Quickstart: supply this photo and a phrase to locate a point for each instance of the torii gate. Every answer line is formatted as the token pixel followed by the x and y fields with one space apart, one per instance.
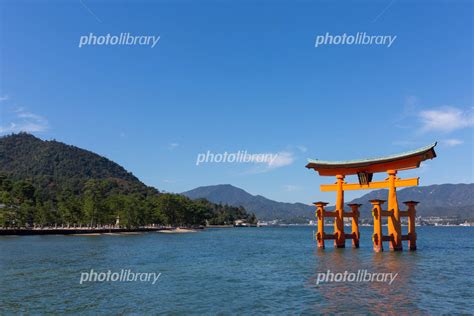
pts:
pixel 365 169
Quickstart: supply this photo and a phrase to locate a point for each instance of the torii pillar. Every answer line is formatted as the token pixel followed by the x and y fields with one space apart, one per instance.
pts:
pixel 394 224
pixel 377 237
pixel 411 224
pixel 340 238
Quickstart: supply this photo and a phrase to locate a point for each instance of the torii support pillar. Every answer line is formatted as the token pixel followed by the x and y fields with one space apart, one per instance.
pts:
pixel 320 216
pixel 355 224
pixel 377 237
pixel 411 224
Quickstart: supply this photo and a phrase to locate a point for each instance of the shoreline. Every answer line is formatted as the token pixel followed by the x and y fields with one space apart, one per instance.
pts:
pixel 178 231
pixel 138 231
pixel 81 231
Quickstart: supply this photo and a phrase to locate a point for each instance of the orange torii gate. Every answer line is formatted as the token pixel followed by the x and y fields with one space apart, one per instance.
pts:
pixel 365 169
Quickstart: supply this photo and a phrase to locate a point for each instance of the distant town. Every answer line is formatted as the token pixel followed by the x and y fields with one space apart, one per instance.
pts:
pixel 420 221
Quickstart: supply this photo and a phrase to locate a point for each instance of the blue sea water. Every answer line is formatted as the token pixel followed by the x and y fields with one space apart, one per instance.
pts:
pixel 235 271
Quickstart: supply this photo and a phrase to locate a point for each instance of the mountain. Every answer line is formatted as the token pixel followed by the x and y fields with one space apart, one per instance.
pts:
pixel 24 156
pixel 262 207
pixel 435 200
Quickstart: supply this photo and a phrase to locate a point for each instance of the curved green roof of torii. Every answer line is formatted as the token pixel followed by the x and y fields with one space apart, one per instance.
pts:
pixel 426 152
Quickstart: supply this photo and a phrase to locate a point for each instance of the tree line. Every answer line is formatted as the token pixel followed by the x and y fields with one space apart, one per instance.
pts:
pixel 100 202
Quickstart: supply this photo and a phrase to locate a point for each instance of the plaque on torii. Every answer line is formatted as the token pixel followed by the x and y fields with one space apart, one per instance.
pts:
pixel 364 169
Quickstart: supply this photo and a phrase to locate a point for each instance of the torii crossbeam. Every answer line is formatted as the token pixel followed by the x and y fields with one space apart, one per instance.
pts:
pixel 365 169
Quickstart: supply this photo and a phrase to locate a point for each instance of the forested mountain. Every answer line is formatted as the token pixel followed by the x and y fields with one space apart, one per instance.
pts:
pixel 49 182
pixel 25 156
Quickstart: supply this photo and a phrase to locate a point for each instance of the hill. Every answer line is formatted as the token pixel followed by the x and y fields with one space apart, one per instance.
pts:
pixel 54 165
pixel 262 207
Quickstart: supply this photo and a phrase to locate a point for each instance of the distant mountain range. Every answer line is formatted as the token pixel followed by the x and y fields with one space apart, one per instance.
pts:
pixel 264 208
pixel 435 200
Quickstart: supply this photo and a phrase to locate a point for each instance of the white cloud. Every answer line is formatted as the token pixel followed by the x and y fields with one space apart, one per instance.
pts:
pixel 425 167
pixel 291 187
pixel 283 158
pixel 446 119
pixel 8 129
pixel 408 109
pixel 173 146
pixel 452 142
pixel 24 121
pixel 303 149
pixel 271 162
pixel 4 98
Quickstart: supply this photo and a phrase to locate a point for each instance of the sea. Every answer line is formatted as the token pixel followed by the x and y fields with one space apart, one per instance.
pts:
pixel 243 271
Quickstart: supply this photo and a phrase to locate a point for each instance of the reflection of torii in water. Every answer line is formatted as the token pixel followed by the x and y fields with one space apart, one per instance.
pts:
pixel 365 169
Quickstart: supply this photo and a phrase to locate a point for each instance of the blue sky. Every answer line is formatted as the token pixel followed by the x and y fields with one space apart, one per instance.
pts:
pixel 243 75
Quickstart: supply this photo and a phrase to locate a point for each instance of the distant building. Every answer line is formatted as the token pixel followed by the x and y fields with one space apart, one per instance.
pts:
pixel 240 223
